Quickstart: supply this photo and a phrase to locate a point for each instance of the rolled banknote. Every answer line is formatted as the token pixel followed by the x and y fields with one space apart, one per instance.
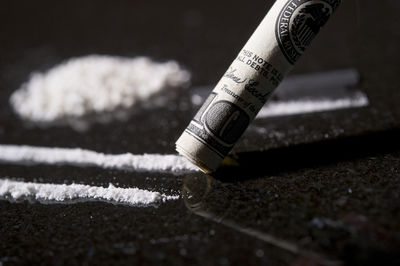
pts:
pixel 270 53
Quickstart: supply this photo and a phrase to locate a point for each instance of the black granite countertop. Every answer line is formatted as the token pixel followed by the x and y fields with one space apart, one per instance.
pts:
pixel 312 189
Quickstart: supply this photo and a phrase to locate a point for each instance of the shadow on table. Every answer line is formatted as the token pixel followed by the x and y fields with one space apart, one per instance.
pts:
pixel 257 164
pixel 336 237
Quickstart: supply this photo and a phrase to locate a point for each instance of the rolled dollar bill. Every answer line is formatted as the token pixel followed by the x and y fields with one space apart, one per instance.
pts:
pixel 270 53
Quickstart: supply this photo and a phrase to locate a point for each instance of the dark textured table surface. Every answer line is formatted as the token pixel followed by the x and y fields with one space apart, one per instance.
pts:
pixel 318 188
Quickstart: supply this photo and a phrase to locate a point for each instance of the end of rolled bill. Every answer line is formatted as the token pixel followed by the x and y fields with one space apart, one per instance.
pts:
pixel 197 153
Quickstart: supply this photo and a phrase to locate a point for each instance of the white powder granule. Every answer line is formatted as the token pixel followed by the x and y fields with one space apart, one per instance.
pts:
pixel 61 192
pixel 94 84
pixel 80 157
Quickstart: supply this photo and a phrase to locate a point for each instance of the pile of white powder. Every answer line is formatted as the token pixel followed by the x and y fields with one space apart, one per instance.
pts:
pixel 94 84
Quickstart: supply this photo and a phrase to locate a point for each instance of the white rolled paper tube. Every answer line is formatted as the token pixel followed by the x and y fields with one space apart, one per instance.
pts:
pixel 270 53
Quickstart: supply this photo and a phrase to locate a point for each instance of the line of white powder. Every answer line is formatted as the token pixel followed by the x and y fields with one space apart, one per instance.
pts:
pixel 310 106
pixel 61 192
pixel 80 157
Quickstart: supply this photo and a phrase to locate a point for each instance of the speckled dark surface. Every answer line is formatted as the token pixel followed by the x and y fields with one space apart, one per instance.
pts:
pixel 327 183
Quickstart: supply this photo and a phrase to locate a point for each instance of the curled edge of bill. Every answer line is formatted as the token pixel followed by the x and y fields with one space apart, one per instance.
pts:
pixel 227 161
pixel 198 153
pixel 194 160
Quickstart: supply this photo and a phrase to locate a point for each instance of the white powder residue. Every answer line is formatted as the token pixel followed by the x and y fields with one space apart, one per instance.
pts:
pixel 321 222
pixel 196 99
pixel 81 157
pixel 62 192
pixel 310 106
pixel 94 84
